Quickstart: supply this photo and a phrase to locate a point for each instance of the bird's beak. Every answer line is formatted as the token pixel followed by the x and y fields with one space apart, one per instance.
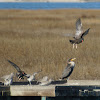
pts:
pixel 73 59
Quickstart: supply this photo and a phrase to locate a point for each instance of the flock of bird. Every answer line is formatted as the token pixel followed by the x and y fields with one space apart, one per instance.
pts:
pixel 78 38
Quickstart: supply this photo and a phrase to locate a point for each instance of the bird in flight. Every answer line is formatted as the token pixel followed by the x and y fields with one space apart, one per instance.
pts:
pixel 69 68
pixel 78 38
pixel 20 73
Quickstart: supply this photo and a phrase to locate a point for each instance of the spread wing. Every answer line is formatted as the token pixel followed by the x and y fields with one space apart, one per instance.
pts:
pixel 15 66
pixel 78 28
pixel 86 32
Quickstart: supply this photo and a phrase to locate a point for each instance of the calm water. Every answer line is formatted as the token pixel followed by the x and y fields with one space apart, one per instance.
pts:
pixel 49 5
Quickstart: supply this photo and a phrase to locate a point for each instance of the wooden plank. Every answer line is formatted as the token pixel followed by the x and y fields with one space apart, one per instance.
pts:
pixel 37 90
pixel 82 82
pixel 34 90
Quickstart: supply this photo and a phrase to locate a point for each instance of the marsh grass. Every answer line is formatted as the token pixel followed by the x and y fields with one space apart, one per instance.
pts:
pixel 36 39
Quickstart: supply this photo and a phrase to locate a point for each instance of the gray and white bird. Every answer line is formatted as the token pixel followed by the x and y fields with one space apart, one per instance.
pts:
pixel 8 79
pixel 78 38
pixel 31 78
pixel 69 69
pixel 45 78
pixel 45 81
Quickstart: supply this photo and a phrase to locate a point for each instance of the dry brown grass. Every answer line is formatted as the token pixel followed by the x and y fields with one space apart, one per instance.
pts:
pixel 35 39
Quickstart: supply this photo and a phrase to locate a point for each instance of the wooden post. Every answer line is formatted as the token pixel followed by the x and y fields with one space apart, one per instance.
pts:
pixel 4 90
pixel 43 98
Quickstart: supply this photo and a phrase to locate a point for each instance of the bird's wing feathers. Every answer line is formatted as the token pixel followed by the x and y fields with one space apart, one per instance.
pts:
pixel 16 67
pixel 7 77
pixel 86 32
pixel 66 71
pixel 27 75
pixel 78 28
pixel 45 78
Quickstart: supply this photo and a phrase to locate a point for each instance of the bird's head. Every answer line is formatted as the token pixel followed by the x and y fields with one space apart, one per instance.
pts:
pixel 23 73
pixel 71 59
pixel 34 73
pixel 12 74
pixel 82 39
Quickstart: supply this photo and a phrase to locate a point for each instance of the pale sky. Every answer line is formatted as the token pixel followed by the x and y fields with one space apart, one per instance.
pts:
pixel 6 0
pixel 1 0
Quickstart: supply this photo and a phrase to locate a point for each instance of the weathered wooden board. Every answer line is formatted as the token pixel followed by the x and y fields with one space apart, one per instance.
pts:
pixel 19 90
pixel 51 90
pixel 82 82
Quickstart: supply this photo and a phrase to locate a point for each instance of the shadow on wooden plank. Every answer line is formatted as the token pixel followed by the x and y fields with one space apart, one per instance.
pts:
pixel 20 98
pixel 73 98
pixel 37 83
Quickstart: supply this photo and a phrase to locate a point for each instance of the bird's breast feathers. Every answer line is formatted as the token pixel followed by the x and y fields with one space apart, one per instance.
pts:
pixel 72 63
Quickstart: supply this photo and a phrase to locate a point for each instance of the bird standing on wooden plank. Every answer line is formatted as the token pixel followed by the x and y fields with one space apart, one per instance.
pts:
pixel 30 78
pixel 78 38
pixel 20 73
pixel 8 79
pixel 45 81
pixel 69 69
